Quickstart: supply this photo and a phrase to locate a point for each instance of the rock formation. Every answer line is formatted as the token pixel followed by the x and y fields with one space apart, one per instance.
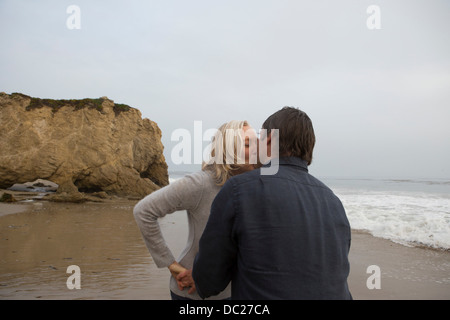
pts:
pixel 88 145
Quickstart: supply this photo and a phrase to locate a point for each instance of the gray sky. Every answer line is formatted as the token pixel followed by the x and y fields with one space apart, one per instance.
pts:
pixel 379 99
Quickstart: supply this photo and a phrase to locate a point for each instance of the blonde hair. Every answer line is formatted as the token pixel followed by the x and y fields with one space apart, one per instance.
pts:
pixel 227 144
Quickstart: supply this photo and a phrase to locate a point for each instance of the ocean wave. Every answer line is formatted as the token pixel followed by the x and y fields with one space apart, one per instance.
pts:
pixel 413 219
pixel 426 181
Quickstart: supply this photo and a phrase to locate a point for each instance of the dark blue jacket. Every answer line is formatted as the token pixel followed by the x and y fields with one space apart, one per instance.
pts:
pixel 281 236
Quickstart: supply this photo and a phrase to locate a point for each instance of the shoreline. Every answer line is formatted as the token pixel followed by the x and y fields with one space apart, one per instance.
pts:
pixel 406 273
pixel 9 208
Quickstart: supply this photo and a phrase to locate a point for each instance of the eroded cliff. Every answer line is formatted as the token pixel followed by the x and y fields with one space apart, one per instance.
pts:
pixel 88 145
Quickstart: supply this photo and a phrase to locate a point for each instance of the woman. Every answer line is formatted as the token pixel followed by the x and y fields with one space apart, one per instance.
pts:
pixel 232 153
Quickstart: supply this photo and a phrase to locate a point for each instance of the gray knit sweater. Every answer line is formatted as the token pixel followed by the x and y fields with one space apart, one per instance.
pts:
pixel 193 193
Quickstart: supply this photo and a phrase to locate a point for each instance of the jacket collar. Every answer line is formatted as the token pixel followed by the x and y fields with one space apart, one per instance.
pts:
pixel 291 161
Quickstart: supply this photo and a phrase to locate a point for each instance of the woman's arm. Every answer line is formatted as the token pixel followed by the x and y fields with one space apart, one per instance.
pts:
pixel 183 194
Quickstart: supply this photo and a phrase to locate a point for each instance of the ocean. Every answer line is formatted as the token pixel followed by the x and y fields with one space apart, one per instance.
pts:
pixel 411 212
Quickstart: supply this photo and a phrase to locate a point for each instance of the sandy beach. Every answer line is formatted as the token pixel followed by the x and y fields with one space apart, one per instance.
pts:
pixel 40 239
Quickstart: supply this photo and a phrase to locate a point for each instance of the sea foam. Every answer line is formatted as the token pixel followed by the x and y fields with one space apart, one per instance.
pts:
pixel 403 216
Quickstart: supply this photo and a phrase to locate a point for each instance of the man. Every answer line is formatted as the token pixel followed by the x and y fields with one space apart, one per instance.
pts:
pixel 280 236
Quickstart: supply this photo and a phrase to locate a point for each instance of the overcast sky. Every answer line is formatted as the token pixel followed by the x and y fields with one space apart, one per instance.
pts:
pixel 379 99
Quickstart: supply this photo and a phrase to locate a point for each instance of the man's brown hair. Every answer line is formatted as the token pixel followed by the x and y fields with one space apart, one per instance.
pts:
pixel 296 133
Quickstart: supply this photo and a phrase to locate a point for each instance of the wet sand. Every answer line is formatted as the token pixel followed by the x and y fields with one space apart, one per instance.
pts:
pixel 40 239
pixel 6 209
pixel 407 273
pixel 38 245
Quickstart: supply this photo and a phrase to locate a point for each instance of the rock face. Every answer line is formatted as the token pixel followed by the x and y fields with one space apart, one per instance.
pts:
pixel 89 145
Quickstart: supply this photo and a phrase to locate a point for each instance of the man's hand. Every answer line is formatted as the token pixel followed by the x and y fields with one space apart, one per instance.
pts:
pixel 185 278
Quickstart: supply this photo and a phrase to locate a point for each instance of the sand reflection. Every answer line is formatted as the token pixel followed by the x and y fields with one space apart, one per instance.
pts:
pixel 101 238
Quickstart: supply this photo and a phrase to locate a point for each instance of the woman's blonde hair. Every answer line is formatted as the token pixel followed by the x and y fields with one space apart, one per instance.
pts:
pixel 226 154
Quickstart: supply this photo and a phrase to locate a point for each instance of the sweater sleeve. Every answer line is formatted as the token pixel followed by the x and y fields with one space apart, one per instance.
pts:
pixel 183 194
